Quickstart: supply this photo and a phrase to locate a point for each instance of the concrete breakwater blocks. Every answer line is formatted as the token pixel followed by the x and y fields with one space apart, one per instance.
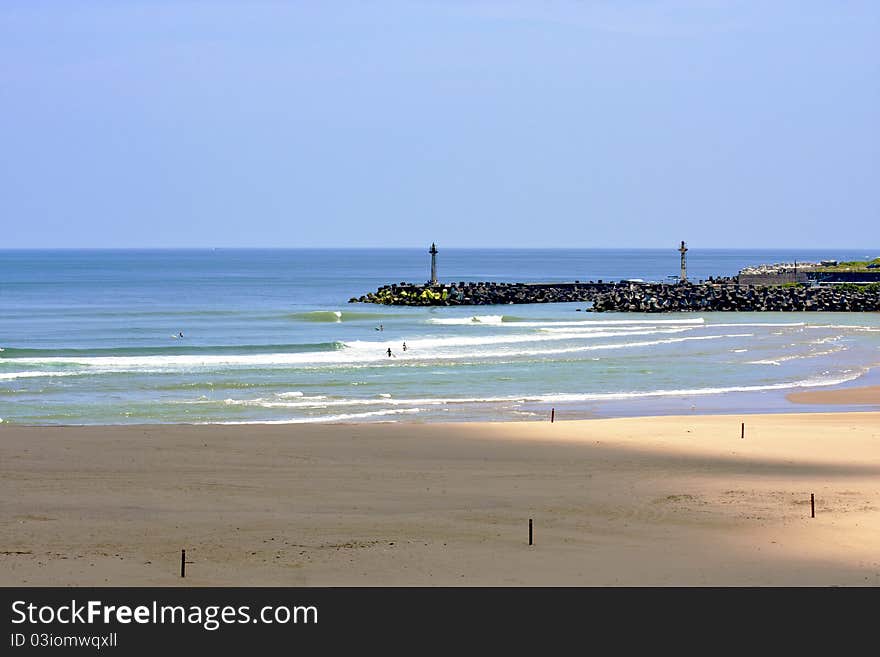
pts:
pixel 636 297
pixel 744 298
pixel 484 293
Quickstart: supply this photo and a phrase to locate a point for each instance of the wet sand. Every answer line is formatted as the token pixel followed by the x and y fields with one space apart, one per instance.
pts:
pixel 632 501
pixel 845 396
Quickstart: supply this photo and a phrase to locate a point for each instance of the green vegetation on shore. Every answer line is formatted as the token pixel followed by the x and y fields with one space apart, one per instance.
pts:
pixel 852 265
pixel 840 287
pixel 855 287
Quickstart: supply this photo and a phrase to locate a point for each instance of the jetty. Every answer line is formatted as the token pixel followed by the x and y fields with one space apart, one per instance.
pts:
pixel 484 293
pixel 828 286
pixel 707 297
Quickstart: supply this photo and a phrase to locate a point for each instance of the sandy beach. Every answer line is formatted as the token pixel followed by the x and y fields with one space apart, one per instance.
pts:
pixel 638 501
pixel 855 395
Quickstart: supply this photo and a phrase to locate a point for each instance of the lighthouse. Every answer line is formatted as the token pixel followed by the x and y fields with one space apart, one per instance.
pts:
pixel 433 253
pixel 683 251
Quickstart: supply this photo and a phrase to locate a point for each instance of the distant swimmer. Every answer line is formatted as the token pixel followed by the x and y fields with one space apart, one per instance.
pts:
pixel 180 335
pixel 404 346
pixel 389 352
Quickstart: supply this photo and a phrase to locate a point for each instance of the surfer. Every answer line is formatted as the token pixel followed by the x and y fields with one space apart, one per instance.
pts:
pixel 180 335
pixel 404 346
pixel 389 352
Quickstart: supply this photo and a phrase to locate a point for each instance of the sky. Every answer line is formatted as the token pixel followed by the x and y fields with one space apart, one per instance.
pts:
pixel 633 123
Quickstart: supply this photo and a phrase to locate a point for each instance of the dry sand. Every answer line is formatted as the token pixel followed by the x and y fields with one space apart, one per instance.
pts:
pixel 641 501
pixel 860 395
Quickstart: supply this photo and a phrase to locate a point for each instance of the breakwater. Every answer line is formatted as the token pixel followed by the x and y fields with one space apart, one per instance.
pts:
pixel 484 293
pixel 660 297
pixel 622 296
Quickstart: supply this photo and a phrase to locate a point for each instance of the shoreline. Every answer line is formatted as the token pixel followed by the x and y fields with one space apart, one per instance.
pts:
pixel 850 396
pixel 838 396
pixel 672 500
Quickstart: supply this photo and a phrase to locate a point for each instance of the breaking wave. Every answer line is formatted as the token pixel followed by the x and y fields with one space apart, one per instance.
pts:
pixel 521 399
pixel 360 352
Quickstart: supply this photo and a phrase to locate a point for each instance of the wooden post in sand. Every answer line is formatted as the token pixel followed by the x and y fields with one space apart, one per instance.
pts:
pixel 742 433
pixel 183 563
pixel 552 415
pixel 530 531
pixel 812 505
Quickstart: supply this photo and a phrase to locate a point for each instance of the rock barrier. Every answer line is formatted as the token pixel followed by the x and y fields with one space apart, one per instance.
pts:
pixel 716 295
pixel 465 293
pixel 652 298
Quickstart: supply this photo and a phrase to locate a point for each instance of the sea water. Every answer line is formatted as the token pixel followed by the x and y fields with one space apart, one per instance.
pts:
pixel 93 337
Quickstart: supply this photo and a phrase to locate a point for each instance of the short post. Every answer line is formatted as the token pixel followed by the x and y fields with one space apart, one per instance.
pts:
pixel 812 505
pixel 742 433
pixel 530 531
pixel 552 414
pixel 183 563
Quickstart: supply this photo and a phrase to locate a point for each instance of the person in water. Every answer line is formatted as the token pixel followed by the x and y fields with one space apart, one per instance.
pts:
pixel 404 346
pixel 180 335
pixel 389 352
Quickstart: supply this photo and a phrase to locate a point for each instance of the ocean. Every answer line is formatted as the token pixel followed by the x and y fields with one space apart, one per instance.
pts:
pixel 93 337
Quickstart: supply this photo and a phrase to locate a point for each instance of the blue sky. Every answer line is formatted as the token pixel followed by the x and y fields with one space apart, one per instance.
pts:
pixel 309 124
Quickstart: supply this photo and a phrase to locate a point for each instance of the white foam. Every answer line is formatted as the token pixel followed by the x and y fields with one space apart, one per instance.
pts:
pixel 634 329
pixel 464 321
pixel 806 383
pixel 415 346
pixel 496 320
pixel 856 327
pixel 544 398
pixel 8 376
pixel 358 351
pixel 345 417
pixel 620 345
pixel 809 354
pixel 613 322
pixel 262 402
pixel 360 354
pixel 519 352
pixel 757 324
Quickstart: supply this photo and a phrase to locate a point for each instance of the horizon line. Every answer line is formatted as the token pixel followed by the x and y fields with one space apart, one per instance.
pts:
pixel 449 248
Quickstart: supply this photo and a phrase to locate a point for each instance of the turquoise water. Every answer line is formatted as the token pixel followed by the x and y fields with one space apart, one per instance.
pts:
pixel 268 336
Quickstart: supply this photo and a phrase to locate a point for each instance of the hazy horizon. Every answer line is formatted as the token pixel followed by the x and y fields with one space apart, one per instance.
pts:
pixel 673 248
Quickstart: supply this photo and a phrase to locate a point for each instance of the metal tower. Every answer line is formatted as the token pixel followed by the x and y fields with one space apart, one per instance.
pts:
pixel 683 251
pixel 433 253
